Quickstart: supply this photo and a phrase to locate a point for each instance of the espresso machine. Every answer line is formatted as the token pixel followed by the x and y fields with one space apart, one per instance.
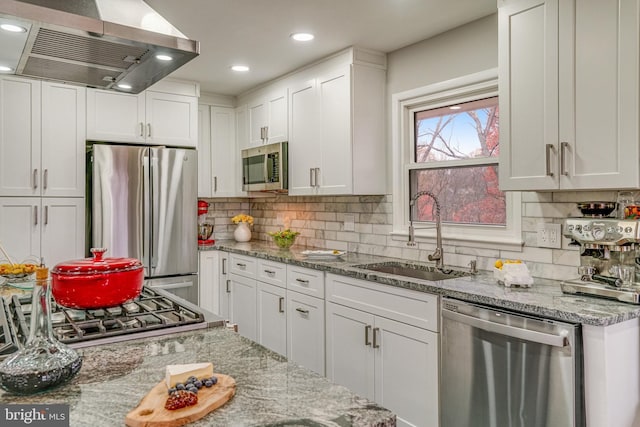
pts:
pixel 608 257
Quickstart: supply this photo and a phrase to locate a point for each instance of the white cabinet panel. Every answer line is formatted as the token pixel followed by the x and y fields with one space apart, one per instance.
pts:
pixel 171 119
pixel 242 305
pixel 304 150
pixel 20 227
pixel 267 117
pixel 205 182
pixel 272 318
pixel 209 281
pixel 114 116
pixel 305 331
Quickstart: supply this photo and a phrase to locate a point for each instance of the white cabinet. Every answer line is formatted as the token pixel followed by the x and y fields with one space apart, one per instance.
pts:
pixel 218 157
pixel 242 305
pixel 209 281
pixel 267 116
pixel 151 117
pixel 569 94
pixel 52 228
pixel 42 138
pixel 305 331
pixel 336 126
pixel 272 317
pixel 382 343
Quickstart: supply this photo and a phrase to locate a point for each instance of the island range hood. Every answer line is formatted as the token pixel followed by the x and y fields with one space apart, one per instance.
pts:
pixel 109 44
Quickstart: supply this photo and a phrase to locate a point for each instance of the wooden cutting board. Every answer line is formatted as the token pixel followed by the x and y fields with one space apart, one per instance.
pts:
pixel 150 412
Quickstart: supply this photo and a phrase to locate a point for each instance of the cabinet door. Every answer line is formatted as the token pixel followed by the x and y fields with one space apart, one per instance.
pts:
pixel 225 286
pixel 257 118
pixel 209 281
pixel 350 356
pixel 277 129
pixel 528 94
pixel 63 140
pixel 62 229
pixel 305 331
pixel 205 183
pixel 334 93
pixel 272 318
pixel 225 157
pixel 171 119
pixel 599 93
pixel 304 152
pixel 406 372
pixel 242 305
pixel 19 137
pixel 20 227
pixel 115 116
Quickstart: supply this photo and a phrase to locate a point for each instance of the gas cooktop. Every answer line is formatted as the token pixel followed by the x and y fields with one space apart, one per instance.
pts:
pixel 152 313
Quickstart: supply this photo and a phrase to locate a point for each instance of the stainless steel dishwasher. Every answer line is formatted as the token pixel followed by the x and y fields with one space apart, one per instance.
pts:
pixel 505 369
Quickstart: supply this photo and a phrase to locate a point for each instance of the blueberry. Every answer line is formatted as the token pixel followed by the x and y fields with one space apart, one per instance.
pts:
pixel 172 390
pixel 214 380
pixel 191 379
pixel 198 383
pixel 208 383
pixel 180 386
pixel 193 390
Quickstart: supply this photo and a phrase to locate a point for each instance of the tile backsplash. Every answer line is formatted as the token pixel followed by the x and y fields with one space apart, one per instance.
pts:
pixel 320 221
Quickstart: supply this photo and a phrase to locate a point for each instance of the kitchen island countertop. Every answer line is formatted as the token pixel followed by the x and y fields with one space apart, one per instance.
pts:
pixel 544 298
pixel 269 390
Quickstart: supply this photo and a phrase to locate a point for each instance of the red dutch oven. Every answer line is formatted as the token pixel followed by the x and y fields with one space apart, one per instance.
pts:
pixel 96 282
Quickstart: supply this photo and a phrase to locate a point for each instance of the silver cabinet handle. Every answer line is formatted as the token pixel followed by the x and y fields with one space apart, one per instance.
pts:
pixel 302 281
pixel 46 215
pixel 240 265
pixel 45 179
pixel 141 129
pixel 215 183
pixel 548 150
pixel 35 179
pixel 149 130
pixel 302 311
pixel 35 215
pixel 367 329
pixel 224 266
pixel 317 174
pixel 281 305
pixel 266 133
pixel 375 339
pixel 228 286
pixel 311 183
pixel 270 272
pixel 563 158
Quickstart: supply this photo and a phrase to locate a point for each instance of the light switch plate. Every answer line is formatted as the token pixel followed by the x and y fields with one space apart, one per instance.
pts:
pixel 549 235
pixel 349 222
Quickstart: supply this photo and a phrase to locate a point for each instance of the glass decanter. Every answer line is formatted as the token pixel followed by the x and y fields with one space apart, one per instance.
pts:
pixel 43 362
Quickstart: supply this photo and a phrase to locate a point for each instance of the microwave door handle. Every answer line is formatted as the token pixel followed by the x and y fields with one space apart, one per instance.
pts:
pixel 266 169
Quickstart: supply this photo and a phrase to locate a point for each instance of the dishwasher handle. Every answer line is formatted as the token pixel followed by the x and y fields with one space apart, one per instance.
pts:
pixel 510 331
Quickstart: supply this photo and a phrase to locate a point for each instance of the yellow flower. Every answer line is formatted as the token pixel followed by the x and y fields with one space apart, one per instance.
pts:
pixel 242 218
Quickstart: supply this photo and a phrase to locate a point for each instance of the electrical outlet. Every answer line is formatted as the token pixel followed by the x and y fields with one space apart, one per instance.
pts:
pixel 280 218
pixel 349 222
pixel 549 235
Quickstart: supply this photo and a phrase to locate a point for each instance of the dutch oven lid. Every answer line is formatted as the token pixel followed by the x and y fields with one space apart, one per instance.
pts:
pixel 97 264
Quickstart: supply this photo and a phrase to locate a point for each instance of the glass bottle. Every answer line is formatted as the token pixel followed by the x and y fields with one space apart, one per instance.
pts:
pixel 43 362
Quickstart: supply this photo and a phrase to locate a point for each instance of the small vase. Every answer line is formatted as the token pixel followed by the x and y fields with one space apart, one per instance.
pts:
pixel 242 233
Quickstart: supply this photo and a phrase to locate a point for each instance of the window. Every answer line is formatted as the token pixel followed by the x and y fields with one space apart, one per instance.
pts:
pixel 446 142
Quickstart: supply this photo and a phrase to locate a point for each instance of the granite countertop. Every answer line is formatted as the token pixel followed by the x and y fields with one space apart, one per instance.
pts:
pixel 269 390
pixel 544 298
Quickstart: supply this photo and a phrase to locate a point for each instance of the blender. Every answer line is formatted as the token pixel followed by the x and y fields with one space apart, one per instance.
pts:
pixel 205 228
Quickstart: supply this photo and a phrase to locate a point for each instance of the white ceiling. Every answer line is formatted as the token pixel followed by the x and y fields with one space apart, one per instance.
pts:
pixel 256 32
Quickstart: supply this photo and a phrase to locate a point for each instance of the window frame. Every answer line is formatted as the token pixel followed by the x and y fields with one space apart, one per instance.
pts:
pixel 403 106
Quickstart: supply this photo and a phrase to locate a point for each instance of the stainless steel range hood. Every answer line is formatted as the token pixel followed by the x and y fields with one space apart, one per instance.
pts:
pixel 97 43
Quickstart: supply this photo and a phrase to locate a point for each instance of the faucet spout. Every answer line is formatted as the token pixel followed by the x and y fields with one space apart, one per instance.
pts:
pixel 438 255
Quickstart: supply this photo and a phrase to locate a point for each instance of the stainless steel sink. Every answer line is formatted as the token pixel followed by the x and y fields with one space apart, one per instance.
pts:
pixel 413 270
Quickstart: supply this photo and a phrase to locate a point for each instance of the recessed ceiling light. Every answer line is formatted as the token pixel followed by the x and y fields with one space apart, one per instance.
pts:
pixel 455 107
pixel 5 68
pixel 302 37
pixel 124 86
pixel 164 57
pixel 240 68
pixel 13 28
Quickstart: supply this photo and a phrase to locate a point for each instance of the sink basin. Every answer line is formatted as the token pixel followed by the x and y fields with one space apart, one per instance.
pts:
pixel 415 271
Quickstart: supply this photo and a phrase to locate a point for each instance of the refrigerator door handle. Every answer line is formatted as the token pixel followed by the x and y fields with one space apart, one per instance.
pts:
pixel 146 211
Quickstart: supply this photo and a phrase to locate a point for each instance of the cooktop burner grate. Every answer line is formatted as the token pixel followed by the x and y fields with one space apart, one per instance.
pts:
pixel 149 312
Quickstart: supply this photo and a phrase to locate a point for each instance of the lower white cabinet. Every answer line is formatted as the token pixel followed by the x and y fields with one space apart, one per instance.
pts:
pixel 272 317
pixel 391 362
pixel 34 227
pixel 209 281
pixel 242 305
pixel 305 331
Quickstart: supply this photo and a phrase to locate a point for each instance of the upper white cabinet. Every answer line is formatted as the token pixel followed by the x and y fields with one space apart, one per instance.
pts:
pixel 42 138
pixel 155 117
pixel 337 126
pixel 569 94
pixel 267 116
pixel 218 156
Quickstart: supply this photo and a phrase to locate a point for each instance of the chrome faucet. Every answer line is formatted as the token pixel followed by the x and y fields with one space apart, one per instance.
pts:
pixel 437 256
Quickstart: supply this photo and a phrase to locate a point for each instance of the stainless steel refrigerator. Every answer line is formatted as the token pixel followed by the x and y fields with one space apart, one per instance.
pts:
pixel 143 204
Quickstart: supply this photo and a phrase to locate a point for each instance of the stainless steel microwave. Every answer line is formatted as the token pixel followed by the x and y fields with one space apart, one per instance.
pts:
pixel 265 168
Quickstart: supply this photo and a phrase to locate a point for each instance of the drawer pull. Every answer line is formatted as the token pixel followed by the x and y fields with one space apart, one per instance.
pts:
pixel 375 340
pixel 270 272
pixel 224 266
pixel 228 289
pixel 303 311
pixel 302 281
pixel 240 265
pixel 281 305
pixel 367 329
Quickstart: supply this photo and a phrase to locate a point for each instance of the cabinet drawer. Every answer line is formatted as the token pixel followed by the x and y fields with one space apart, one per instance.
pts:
pixel 243 265
pixel 403 305
pixel 274 273
pixel 305 280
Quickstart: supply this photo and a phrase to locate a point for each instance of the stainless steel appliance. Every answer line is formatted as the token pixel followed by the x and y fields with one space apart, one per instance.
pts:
pixel 608 255
pixel 265 168
pixel 95 43
pixel 142 202
pixel 499 368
